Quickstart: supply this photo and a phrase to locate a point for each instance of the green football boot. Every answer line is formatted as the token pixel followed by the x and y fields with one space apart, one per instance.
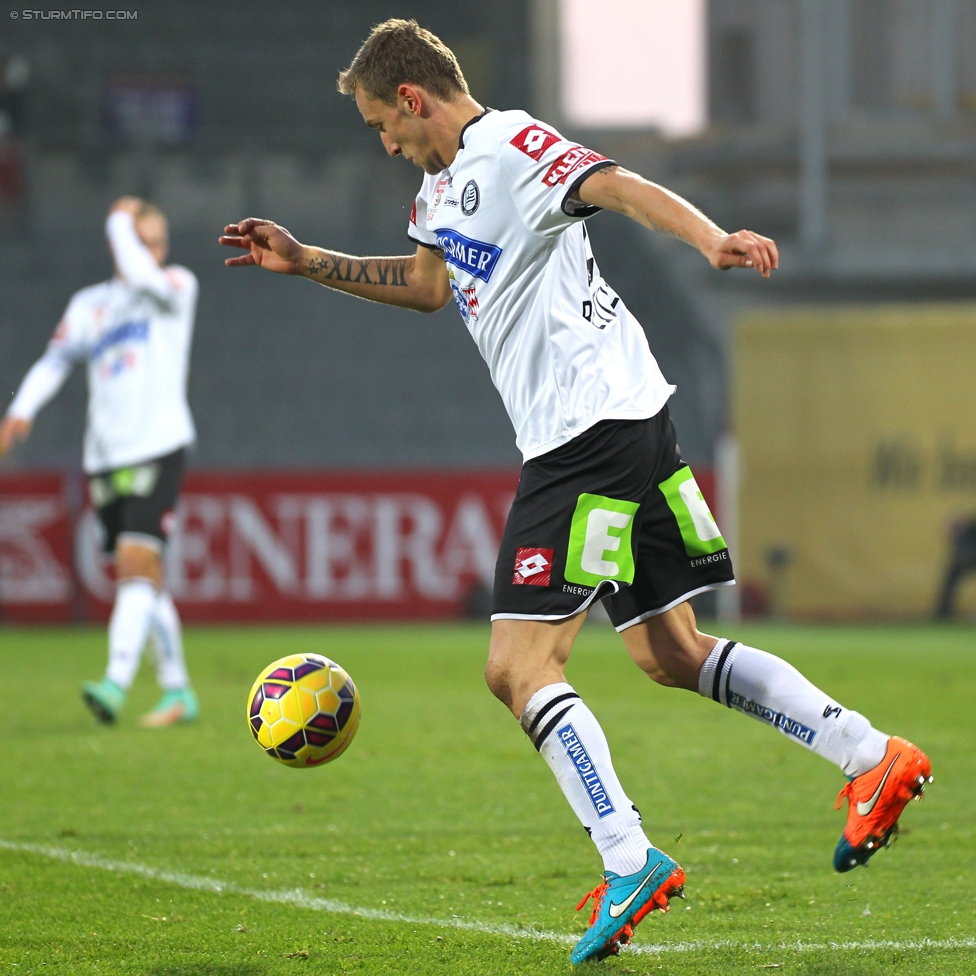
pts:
pixel 104 698
pixel 177 705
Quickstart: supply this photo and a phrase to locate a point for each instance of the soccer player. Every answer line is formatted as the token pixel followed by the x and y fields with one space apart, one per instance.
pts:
pixel 605 506
pixel 134 333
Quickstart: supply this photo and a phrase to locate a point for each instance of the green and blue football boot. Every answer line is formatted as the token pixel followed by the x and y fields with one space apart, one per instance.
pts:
pixel 104 699
pixel 177 705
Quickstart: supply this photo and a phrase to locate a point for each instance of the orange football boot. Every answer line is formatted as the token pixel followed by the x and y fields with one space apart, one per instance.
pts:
pixel 875 800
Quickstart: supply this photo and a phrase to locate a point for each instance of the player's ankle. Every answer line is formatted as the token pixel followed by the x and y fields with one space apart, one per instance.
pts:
pixel 623 848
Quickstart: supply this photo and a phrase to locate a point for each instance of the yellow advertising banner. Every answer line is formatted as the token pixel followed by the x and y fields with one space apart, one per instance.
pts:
pixel 857 442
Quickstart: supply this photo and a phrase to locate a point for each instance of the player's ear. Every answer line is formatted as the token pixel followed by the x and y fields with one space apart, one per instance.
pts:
pixel 411 99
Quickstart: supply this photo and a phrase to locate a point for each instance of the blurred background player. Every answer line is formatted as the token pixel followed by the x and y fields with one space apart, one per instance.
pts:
pixel 134 331
pixel 605 508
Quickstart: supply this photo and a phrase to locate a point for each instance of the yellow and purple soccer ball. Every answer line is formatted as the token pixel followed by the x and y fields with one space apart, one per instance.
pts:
pixel 303 710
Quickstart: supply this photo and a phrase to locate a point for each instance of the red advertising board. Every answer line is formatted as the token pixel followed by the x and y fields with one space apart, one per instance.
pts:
pixel 36 578
pixel 271 546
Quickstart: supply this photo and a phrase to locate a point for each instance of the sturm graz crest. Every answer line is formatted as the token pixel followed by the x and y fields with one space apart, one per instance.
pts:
pixel 470 198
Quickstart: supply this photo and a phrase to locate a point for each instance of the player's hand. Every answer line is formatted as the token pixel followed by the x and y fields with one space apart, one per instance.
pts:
pixel 268 245
pixel 744 249
pixel 131 205
pixel 12 430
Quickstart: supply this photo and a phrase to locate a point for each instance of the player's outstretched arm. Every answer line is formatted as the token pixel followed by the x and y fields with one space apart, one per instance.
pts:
pixel 419 281
pixel 657 208
pixel 42 382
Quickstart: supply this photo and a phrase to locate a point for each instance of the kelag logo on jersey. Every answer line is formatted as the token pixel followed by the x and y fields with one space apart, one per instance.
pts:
pixel 569 162
pixel 475 257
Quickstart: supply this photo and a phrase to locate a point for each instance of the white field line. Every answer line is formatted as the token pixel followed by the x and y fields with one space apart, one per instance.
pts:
pixel 298 898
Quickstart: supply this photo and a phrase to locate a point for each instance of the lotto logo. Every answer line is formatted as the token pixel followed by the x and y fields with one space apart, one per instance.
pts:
pixel 413 214
pixel 570 161
pixel 534 141
pixel 533 567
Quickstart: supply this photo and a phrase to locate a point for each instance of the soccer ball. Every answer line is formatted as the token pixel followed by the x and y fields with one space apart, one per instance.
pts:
pixel 303 710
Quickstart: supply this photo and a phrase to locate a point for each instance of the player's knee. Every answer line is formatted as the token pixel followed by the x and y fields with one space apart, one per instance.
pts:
pixel 658 673
pixel 137 561
pixel 506 658
pixel 498 677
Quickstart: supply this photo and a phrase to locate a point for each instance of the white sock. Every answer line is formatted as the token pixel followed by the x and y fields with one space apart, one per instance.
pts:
pixel 769 689
pixel 128 628
pixel 167 641
pixel 571 741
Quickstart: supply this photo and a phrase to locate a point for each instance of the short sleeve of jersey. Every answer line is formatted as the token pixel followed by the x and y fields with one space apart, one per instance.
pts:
pixel 543 170
pixel 417 227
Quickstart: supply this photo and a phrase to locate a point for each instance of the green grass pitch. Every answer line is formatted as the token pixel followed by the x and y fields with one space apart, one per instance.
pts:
pixel 439 842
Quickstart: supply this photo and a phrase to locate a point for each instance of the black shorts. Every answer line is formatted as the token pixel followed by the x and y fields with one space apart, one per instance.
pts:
pixel 138 500
pixel 614 514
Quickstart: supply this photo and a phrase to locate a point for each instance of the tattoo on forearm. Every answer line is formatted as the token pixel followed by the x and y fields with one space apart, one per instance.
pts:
pixel 368 271
pixel 391 271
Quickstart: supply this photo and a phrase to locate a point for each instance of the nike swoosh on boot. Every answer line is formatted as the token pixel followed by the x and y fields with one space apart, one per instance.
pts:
pixel 615 910
pixel 865 808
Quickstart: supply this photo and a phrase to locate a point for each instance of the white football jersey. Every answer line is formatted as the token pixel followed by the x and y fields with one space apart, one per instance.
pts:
pixel 134 332
pixel 137 345
pixel 563 350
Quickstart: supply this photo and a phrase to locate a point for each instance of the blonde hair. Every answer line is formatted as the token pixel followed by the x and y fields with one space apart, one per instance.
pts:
pixel 401 51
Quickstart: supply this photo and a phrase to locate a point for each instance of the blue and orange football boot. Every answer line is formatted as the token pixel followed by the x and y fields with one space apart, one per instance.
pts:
pixel 621 901
pixel 875 800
